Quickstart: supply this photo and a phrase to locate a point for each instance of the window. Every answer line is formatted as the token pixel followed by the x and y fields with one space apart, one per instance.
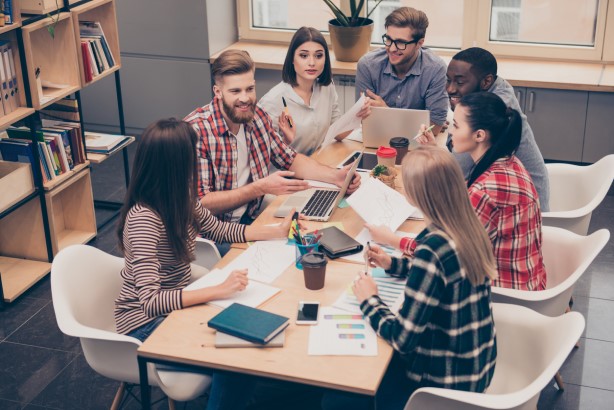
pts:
pixel 551 29
pixel 445 20
pixel 564 22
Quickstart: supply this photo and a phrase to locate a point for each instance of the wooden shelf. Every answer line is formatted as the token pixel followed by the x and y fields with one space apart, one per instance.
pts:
pixel 18 275
pixel 16 11
pixel 70 209
pixel 102 11
pixel 95 158
pixel 16 183
pixel 56 57
pixel 56 182
pixel 22 110
pixel 22 234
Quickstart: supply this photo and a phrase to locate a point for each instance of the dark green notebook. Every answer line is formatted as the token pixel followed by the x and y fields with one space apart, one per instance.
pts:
pixel 249 323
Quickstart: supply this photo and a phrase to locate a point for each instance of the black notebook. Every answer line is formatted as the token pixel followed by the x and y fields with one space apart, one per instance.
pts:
pixel 249 323
pixel 335 243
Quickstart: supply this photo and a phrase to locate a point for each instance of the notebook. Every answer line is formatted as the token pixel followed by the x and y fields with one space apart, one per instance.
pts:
pixel 225 340
pixel 317 204
pixel 249 323
pixel 335 243
pixel 385 123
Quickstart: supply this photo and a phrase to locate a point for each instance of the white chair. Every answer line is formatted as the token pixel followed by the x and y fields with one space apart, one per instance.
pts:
pixel 566 257
pixel 530 349
pixel 575 191
pixel 85 282
pixel 206 256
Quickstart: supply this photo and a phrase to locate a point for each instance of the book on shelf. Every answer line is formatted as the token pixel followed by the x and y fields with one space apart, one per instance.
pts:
pixel 251 324
pixel 225 340
pixel 96 54
pixel 100 143
pixel 21 151
pixel 64 110
pixel 8 11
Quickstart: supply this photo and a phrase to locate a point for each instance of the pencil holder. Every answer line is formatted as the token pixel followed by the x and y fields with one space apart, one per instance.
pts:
pixel 301 250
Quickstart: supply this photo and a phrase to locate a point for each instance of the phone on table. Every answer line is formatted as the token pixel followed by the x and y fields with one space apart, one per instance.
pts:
pixel 307 313
pixel 368 161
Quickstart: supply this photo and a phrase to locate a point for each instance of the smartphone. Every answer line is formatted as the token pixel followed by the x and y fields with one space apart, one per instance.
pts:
pixel 307 313
pixel 368 161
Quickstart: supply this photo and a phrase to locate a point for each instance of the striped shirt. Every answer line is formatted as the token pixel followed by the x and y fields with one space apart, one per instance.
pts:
pixel 507 204
pixel 444 330
pixel 218 153
pixel 153 277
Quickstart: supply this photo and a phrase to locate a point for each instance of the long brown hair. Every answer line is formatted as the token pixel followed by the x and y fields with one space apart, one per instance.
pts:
pixel 434 182
pixel 164 180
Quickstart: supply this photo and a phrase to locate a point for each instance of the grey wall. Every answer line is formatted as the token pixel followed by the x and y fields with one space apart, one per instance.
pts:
pixel 165 49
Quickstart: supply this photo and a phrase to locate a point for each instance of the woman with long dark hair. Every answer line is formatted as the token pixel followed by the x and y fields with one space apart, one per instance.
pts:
pixel 500 190
pixel 159 222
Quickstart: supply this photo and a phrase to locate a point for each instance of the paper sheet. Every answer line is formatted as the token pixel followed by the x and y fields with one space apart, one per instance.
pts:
pixel 264 260
pixel 364 236
pixel 254 295
pixel 355 135
pixel 340 334
pixel 347 122
pixel 390 289
pixel 378 204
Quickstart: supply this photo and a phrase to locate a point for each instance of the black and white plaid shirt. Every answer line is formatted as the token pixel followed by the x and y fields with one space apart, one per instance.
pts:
pixel 444 330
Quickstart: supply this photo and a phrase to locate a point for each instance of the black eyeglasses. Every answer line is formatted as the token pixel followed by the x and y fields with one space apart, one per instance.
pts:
pixel 399 44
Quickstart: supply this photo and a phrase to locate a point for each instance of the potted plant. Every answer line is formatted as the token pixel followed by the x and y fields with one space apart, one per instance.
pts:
pixel 384 174
pixel 350 35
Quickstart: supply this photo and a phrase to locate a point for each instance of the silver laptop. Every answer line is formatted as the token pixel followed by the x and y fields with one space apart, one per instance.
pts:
pixel 385 123
pixel 317 204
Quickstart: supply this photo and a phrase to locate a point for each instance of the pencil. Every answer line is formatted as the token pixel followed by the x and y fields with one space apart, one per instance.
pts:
pixel 283 100
pixel 424 132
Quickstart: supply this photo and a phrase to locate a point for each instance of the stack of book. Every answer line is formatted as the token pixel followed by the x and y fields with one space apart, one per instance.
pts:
pixel 8 80
pixel 99 143
pixel 97 57
pixel 243 326
pixel 59 144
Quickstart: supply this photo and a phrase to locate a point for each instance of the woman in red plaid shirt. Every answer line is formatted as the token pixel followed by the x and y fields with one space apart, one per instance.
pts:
pixel 500 189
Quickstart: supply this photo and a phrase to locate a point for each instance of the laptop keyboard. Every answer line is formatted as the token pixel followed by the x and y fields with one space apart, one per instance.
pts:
pixel 319 203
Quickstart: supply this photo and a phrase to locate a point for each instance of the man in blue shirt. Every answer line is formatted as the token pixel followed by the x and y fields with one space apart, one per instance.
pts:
pixel 475 69
pixel 404 74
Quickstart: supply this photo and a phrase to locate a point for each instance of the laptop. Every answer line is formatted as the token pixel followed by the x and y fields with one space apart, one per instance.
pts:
pixel 317 204
pixel 385 123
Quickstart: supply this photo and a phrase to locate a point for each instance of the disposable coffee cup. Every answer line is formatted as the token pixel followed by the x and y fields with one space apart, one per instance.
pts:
pixel 400 144
pixel 314 270
pixel 386 156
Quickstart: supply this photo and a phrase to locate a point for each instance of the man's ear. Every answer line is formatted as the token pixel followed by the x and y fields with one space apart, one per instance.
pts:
pixel 420 42
pixel 217 92
pixel 487 82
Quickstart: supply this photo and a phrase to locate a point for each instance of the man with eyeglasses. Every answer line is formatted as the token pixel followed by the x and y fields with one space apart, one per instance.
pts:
pixel 404 74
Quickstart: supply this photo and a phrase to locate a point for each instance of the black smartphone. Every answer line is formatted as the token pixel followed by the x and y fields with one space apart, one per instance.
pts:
pixel 367 162
pixel 307 313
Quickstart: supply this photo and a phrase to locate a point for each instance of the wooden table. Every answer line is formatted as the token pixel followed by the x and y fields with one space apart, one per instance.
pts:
pixel 185 338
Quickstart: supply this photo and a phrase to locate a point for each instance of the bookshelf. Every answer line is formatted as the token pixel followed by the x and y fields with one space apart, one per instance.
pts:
pixel 38 219
pixel 55 57
pixel 102 11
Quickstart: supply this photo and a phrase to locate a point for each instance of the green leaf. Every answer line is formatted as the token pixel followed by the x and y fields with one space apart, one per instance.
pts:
pixel 356 11
pixel 339 15
pixel 374 7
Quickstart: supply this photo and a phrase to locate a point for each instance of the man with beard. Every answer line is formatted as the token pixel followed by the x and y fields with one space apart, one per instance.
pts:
pixel 237 144
pixel 404 74
pixel 475 69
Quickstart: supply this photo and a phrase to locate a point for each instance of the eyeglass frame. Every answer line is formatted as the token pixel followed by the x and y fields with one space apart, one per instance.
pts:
pixel 397 42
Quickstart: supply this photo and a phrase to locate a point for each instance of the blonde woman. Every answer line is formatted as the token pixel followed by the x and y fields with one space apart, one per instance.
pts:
pixel 443 334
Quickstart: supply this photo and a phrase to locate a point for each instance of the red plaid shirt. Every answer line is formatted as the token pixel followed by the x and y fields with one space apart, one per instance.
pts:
pixel 506 203
pixel 217 151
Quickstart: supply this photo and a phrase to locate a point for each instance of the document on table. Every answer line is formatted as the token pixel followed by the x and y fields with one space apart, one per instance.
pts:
pixel 378 204
pixel 264 260
pixel 254 295
pixel 347 122
pixel 365 236
pixel 355 135
pixel 389 289
pixel 341 334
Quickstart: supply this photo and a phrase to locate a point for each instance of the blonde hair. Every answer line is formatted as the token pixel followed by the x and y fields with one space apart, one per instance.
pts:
pixel 434 182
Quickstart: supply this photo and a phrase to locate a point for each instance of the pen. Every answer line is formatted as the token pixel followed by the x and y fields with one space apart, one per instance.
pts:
pixel 424 132
pixel 287 112
pixel 367 257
